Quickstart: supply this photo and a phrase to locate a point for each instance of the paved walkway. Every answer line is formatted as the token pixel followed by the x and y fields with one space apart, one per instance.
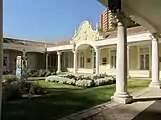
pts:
pixel 146 106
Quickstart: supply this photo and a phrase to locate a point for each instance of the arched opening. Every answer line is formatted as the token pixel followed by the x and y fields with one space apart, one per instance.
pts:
pixel 9 60
pixel 86 58
pixel 35 60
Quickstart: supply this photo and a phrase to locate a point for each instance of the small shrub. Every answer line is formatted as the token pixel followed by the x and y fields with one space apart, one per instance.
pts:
pixel 33 73
pixel 42 73
pixel 84 83
pixel 81 77
pixel 70 76
pixel 105 81
pixel 9 78
pixel 34 89
pixel 48 73
pixel 15 90
pixel 54 73
pixel 7 72
pixel 70 81
pixel 11 92
pixel 51 78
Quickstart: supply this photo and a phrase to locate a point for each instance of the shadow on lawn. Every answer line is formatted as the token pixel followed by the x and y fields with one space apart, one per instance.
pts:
pixel 61 101
pixel 58 103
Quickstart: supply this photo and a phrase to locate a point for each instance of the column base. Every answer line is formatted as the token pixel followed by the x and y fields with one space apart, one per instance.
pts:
pixel 74 72
pixel 58 72
pixel 155 85
pixel 96 73
pixel 123 97
pixel 128 76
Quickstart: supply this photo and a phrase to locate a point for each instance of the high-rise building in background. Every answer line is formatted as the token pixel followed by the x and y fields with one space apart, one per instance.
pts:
pixel 106 21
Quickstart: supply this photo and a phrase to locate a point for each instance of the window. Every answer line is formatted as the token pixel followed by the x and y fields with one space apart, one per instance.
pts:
pixel 104 61
pixel 4 61
pixel 113 58
pixel 144 58
pixel 88 60
pixel 82 60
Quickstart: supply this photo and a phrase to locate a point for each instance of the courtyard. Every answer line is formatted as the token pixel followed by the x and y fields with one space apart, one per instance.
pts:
pixel 63 100
pixel 126 51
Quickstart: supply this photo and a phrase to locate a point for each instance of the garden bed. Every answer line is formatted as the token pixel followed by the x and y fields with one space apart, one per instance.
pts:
pixel 82 80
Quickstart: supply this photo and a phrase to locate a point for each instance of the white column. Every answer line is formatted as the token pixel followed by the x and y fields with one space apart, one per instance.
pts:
pixel 75 62
pixel 128 75
pixel 97 60
pixel 59 62
pixel 92 60
pixel 150 61
pixel 155 63
pixel 121 95
pixel 46 65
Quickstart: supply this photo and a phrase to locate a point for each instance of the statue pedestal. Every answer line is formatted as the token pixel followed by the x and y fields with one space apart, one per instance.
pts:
pixel 21 68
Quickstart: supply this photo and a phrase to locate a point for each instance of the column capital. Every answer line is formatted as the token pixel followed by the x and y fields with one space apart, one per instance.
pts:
pixel 97 49
pixel 59 53
pixel 74 46
pixel 74 51
pixel 155 36
pixel 128 46
pixel 120 18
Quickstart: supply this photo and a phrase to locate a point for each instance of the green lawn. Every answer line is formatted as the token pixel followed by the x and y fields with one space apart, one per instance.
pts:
pixel 62 100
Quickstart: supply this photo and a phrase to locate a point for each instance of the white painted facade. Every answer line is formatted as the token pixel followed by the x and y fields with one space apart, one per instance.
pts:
pixel 86 39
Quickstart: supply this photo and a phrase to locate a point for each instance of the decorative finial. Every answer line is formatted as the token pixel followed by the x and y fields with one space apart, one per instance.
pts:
pixel 45 48
pixel 74 45
pixel 96 25
pixel 75 32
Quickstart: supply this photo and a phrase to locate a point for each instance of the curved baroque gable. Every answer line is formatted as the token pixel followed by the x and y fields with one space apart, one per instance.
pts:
pixel 85 33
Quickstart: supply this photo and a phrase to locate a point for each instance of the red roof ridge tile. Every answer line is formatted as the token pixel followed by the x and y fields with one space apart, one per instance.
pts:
pixel 130 31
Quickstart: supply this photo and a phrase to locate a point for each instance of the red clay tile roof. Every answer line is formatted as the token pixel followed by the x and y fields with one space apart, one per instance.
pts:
pixel 111 34
pixel 63 42
pixel 27 42
pixel 130 31
pixel 35 43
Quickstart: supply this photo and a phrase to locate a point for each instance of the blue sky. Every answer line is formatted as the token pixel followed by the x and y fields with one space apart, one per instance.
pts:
pixel 48 20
